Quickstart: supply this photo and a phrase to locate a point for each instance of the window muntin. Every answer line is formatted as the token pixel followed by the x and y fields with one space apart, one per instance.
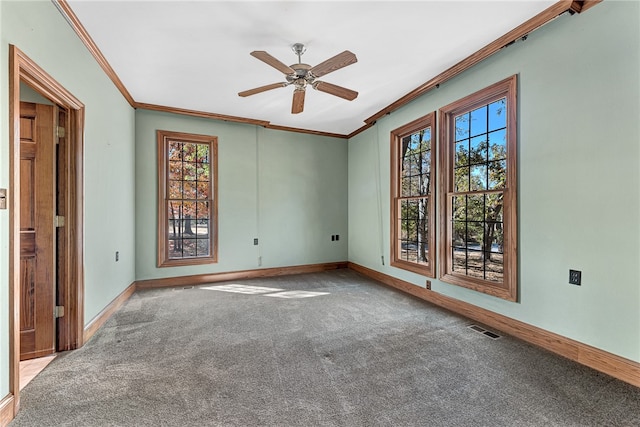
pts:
pixel 479 226
pixel 412 187
pixel 187 226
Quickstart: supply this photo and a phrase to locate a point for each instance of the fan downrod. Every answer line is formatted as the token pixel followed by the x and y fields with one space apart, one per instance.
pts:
pixel 298 49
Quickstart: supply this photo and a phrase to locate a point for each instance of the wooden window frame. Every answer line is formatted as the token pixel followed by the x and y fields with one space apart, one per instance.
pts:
pixel 508 289
pixel 163 139
pixel 428 121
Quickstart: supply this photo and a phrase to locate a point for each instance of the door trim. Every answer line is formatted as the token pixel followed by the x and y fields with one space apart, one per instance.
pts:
pixel 70 327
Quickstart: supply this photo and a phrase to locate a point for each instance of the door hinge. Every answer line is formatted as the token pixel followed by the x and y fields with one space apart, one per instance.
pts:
pixel 58 311
pixel 59 221
pixel 60 132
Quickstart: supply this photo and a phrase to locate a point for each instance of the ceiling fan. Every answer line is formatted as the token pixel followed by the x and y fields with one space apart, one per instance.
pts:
pixel 300 75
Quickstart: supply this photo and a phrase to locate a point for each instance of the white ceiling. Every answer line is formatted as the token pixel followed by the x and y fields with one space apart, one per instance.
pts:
pixel 195 54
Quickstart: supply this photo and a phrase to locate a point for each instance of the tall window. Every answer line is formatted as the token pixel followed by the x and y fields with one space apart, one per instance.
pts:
pixel 478 205
pixel 412 188
pixel 187 199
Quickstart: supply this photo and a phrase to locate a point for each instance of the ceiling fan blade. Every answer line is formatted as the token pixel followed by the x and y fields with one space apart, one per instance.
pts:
pixel 270 60
pixel 298 101
pixel 336 90
pixel 335 63
pixel 262 89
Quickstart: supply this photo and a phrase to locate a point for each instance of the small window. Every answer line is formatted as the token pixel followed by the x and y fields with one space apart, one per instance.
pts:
pixel 478 205
pixel 412 189
pixel 187 199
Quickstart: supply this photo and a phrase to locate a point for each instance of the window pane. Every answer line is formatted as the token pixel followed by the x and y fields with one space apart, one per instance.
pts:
pixel 202 172
pixel 202 188
pixel 175 190
pixel 478 180
pixel 425 166
pixel 174 150
pixel 494 208
pixel 416 185
pixel 498 114
pixel 478 152
pixel 203 153
pixel 189 171
pixel 497 174
pixel 189 151
pixel 175 170
pixel 201 228
pixel 462 127
pixel 475 207
pixel 174 210
pixel 475 233
pixel 475 264
pixel 498 145
pixel 202 247
pixel 459 233
pixel 175 248
pixel 173 230
pixel 459 261
pixel 189 190
pixel 460 208
pixel 202 210
pixel 189 248
pixel 426 139
pixel 479 121
pixel 462 179
pixel 494 235
pixel 495 268
pixel 462 153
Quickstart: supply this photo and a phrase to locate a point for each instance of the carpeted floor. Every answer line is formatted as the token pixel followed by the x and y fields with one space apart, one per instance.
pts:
pixel 326 349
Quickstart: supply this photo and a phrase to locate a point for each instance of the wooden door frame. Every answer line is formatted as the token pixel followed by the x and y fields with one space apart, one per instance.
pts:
pixel 70 328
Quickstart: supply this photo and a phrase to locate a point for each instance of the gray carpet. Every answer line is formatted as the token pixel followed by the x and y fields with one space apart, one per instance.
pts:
pixel 359 354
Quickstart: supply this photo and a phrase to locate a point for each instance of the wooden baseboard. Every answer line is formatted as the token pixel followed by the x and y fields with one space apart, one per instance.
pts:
pixel 201 279
pixel 107 312
pixel 600 360
pixel 7 410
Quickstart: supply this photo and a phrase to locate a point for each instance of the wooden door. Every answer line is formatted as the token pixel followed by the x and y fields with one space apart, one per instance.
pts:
pixel 37 230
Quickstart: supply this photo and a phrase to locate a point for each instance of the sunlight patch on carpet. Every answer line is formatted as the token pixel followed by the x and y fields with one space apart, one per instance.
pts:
pixel 264 291
pixel 296 294
pixel 242 289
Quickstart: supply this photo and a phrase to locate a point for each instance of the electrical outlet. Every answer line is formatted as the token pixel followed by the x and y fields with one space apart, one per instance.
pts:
pixel 337 237
pixel 255 242
pixel 428 285
pixel 333 237
pixel 575 277
pixel 117 256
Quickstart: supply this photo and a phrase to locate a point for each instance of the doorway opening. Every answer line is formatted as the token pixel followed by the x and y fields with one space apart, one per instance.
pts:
pixel 67 276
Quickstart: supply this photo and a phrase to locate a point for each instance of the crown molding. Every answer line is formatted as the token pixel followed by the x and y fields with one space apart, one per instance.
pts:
pixel 547 15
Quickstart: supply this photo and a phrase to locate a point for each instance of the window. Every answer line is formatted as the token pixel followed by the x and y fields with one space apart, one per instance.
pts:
pixel 187 199
pixel 478 235
pixel 412 189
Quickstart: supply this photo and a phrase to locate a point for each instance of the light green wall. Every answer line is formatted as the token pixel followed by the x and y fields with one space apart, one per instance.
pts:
pixel 286 189
pixel 40 31
pixel 579 185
